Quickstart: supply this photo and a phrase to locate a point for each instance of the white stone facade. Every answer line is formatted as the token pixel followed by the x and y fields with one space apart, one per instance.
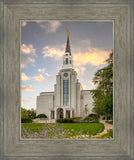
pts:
pixel 68 99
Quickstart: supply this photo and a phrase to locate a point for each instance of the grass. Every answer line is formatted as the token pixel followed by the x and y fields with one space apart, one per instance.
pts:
pixel 107 135
pixel 72 129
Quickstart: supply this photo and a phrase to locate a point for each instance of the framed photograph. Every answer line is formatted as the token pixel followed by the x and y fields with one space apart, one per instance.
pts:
pixel 67 80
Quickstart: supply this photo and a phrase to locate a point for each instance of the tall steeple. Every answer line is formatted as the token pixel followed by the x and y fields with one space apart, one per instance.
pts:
pixel 68 49
pixel 67 57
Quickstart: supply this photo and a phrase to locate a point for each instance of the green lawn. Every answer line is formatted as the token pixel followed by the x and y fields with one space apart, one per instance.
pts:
pixel 71 129
pixel 107 135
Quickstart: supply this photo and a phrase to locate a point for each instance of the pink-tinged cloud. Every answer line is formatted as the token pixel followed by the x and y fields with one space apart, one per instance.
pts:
pixel 23 101
pixel 23 23
pixel 39 78
pixel 28 49
pixel 27 88
pixel 24 77
pixel 94 57
pixel 50 27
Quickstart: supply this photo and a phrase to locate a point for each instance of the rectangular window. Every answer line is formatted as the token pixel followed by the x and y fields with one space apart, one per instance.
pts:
pixel 52 114
pixel 65 92
pixel 66 60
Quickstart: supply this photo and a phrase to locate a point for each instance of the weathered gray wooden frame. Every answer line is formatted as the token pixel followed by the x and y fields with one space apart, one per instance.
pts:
pixel 122 146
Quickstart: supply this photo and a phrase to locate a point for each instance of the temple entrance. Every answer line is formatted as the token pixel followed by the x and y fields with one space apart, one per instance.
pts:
pixel 67 114
pixel 59 113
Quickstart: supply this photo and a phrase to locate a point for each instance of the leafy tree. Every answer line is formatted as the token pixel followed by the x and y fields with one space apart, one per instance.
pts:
pixel 103 94
pixel 32 113
pixel 24 113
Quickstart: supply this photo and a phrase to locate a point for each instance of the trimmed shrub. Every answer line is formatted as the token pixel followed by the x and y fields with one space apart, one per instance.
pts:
pixel 26 120
pixel 92 118
pixel 41 116
pixel 65 120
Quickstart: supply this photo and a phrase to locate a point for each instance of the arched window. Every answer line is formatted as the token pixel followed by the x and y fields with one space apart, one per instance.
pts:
pixel 59 113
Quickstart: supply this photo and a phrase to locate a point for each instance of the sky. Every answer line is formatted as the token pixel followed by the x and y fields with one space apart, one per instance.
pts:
pixel 42 48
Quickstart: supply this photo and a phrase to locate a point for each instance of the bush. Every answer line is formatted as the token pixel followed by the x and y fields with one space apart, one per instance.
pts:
pixel 65 120
pixel 92 118
pixel 41 116
pixel 26 120
pixel 77 118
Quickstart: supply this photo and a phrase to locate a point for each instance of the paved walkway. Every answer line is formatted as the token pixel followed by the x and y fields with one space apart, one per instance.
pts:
pixel 107 127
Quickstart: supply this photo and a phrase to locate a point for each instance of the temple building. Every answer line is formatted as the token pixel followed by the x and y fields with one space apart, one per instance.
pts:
pixel 68 99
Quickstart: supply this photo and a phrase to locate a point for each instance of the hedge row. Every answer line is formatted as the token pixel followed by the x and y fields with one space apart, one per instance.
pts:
pixel 26 120
pixel 65 120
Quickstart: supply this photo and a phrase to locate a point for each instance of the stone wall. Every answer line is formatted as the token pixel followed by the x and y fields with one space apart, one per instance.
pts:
pixel 44 102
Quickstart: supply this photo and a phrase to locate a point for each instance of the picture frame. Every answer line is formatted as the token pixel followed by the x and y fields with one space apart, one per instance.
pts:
pixel 121 13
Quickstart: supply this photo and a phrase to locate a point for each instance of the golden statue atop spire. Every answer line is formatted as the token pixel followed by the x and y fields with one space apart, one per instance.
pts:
pixel 68 33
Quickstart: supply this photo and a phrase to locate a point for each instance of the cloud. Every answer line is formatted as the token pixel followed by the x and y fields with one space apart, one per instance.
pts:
pixel 27 88
pixel 93 56
pixel 48 75
pixel 28 55
pixel 80 70
pixel 31 60
pixel 23 101
pixel 55 52
pixel 83 54
pixel 41 70
pixel 39 78
pixel 86 54
pixel 24 77
pixel 50 27
pixel 28 49
pixel 23 23
pixel 25 60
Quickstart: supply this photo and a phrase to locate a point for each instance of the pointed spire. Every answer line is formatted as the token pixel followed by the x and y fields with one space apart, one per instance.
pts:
pixel 68 49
